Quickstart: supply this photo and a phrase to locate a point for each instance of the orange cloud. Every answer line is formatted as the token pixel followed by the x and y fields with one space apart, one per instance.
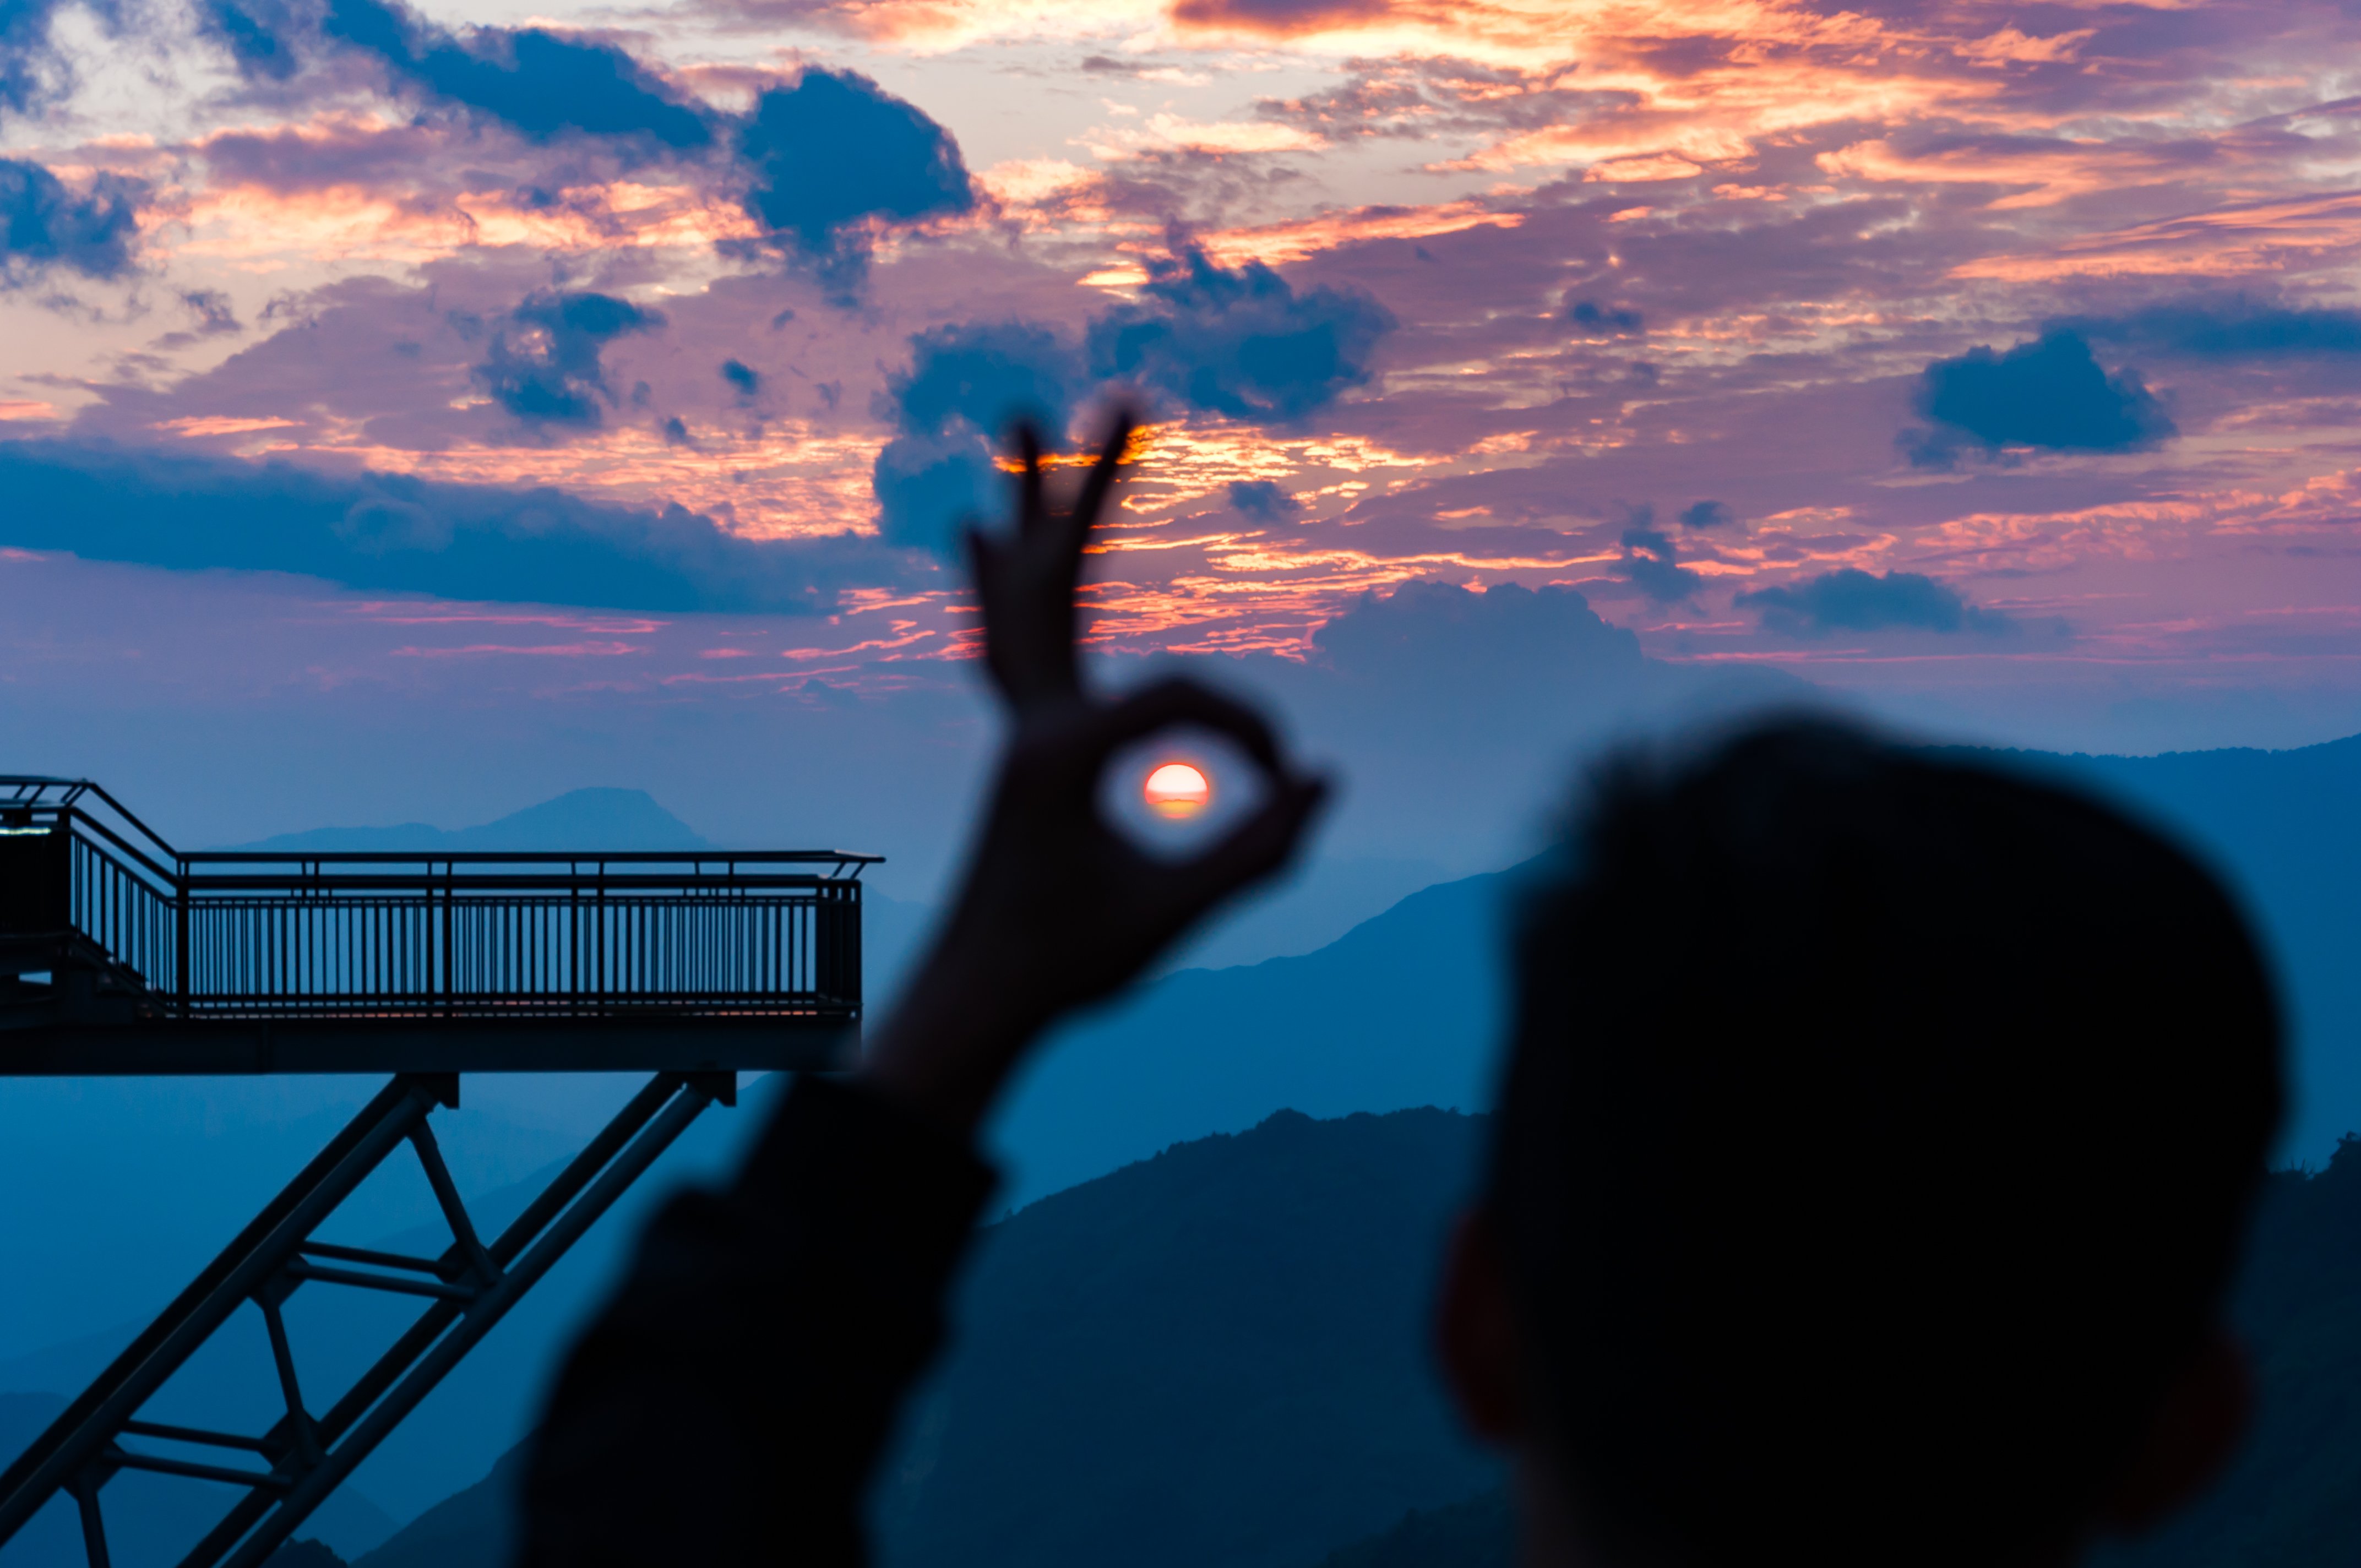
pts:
pixel 1277 244
pixel 215 425
pixel 2052 170
pixel 2230 240
pixel 1663 166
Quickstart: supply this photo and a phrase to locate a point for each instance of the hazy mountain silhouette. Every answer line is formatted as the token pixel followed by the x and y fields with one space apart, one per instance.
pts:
pixel 1477 1534
pixel 1213 1357
pixel 1402 1011
pixel 472 1528
pixel 578 819
pixel 1217 1357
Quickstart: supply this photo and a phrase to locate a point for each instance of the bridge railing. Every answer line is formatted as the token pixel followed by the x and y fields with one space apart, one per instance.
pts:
pixel 454 935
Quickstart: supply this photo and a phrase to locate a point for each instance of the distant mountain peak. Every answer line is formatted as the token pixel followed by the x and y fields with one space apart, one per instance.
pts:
pixel 595 818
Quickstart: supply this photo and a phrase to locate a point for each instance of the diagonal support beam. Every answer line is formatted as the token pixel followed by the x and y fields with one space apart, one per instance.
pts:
pixel 471 1286
pixel 92 1422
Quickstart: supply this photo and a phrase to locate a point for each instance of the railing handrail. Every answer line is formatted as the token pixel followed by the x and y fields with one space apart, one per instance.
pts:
pixel 169 876
pixel 59 798
pixel 30 791
pixel 441 933
pixel 201 888
pixel 839 858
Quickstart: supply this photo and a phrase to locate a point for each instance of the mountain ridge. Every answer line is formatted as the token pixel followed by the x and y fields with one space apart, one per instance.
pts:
pixel 592 818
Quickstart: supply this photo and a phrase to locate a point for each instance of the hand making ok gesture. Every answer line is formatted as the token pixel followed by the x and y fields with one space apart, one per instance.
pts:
pixel 1057 907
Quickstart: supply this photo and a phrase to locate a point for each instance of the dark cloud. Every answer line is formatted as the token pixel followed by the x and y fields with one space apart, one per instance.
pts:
pixel 988 375
pixel 2235 328
pixel 395 532
pixel 928 486
pixel 539 83
pixel 545 367
pixel 1261 499
pixel 1849 599
pixel 1707 514
pixel 260 36
pixel 837 149
pixel 744 377
pixel 43 225
pixel 1651 563
pixel 2050 393
pixel 1239 343
pixel 1592 319
pixel 967 384
pixel 212 311
pixel 23 50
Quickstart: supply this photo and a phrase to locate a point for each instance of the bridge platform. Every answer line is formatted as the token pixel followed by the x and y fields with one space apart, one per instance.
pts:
pixel 122 956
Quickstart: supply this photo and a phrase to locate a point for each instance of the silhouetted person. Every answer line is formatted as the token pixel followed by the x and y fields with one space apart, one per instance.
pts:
pixel 1876 1142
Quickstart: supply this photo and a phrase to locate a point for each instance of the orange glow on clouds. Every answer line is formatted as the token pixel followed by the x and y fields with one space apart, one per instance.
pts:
pixel 1490 442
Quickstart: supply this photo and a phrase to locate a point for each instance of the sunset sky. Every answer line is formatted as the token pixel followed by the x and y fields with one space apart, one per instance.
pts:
pixel 445 406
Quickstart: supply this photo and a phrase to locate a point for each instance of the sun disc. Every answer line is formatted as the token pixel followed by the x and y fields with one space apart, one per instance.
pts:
pixel 1177 789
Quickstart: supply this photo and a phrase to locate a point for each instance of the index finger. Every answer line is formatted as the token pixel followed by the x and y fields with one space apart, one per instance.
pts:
pixel 1103 473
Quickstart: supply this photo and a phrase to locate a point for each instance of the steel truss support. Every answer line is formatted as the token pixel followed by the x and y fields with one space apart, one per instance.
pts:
pixel 305 1453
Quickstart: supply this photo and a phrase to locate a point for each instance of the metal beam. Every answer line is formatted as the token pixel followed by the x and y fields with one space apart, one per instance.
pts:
pixel 473 1285
pixel 168 1047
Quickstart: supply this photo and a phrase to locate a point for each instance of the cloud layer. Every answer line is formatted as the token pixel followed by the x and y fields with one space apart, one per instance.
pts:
pixel 538 82
pixel 1851 600
pixel 393 533
pixel 1783 335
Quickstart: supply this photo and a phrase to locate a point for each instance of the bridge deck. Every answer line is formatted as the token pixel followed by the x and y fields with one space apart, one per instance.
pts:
pixel 121 955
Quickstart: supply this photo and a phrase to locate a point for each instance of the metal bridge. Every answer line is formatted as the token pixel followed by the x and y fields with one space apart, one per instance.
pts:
pixel 120 955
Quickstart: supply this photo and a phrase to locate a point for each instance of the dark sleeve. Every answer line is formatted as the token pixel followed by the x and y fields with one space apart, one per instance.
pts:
pixel 728 1405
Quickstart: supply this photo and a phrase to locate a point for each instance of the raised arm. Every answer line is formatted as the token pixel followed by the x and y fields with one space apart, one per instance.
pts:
pixel 730 1403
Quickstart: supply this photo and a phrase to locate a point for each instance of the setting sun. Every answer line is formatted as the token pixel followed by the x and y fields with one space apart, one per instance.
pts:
pixel 1177 789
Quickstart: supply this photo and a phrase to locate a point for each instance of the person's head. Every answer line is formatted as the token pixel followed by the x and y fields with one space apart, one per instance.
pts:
pixel 1875 1145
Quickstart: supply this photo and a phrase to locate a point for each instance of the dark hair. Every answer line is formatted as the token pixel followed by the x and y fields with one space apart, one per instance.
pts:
pixel 1877 1139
